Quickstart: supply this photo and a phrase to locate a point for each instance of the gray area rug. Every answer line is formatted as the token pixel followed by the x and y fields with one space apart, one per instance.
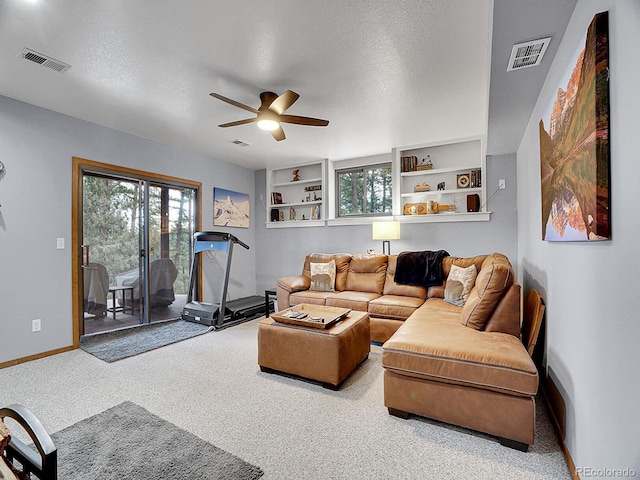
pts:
pixel 119 344
pixel 127 441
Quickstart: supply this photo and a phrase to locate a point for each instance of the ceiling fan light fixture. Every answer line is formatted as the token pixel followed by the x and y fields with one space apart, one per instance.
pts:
pixel 270 115
pixel 268 120
pixel 268 124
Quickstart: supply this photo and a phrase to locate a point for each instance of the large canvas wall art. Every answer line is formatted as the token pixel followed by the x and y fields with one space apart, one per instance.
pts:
pixel 574 145
pixel 230 209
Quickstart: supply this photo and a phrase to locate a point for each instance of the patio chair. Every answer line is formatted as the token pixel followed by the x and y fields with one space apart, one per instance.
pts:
pixel 162 275
pixel 96 289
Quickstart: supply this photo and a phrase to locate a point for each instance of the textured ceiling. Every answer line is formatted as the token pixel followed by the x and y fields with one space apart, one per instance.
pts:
pixel 383 73
pixel 514 94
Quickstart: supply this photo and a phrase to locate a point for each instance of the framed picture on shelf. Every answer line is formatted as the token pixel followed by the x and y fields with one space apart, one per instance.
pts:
pixel 463 180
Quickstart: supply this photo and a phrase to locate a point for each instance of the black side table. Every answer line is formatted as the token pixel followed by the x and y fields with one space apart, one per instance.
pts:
pixel 267 302
pixel 114 291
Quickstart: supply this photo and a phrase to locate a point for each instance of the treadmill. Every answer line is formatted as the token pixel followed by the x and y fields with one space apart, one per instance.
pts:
pixel 223 314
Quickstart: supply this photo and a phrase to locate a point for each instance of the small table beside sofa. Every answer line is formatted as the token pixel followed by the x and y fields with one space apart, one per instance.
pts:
pixel 461 363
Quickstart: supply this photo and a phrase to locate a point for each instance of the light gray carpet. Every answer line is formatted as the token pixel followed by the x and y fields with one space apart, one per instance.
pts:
pixel 211 385
pixel 126 441
pixel 119 344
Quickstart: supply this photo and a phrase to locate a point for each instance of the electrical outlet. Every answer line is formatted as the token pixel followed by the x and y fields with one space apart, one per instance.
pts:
pixel 501 184
pixel 36 325
pixel 60 243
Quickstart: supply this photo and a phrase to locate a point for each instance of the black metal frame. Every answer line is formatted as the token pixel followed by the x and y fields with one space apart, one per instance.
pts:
pixel 213 237
pixel 44 466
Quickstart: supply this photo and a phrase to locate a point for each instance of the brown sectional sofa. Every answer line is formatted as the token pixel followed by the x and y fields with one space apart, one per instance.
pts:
pixel 461 365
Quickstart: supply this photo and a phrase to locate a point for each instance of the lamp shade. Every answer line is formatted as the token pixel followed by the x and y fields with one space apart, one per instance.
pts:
pixel 386 230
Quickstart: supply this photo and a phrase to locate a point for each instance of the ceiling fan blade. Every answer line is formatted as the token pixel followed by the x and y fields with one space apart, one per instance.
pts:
pixel 313 122
pixel 278 134
pixel 239 122
pixel 234 103
pixel 284 101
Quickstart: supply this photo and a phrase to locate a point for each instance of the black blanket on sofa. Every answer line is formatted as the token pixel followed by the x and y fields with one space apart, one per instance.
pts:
pixel 423 269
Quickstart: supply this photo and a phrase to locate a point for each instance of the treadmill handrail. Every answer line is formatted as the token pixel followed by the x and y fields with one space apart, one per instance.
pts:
pixel 218 237
pixel 239 242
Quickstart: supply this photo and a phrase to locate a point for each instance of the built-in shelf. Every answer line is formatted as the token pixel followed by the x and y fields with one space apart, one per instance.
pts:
pixel 300 198
pixel 287 205
pixel 298 182
pixel 432 193
pixel 437 171
pixel 296 223
pixel 453 162
pixel 446 217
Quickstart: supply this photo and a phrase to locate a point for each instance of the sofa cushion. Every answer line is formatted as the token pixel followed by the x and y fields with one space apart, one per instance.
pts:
pixel 439 304
pixel 353 300
pixel 493 280
pixel 506 316
pixel 447 262
pixel 342 266
pixel 367 273
pixel 393 288
pixel 308 296
pixel 437 347
pixel 397 307
pixel 459 284
pixel 323 276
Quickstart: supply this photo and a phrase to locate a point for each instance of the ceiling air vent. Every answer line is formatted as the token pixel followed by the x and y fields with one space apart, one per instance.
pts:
pixel 527 54
pixel 44 60
pixel 240 143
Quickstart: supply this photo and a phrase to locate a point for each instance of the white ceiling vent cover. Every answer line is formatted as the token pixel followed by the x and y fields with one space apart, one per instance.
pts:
pixel 527 54
pixel 44 60
pixel 240 143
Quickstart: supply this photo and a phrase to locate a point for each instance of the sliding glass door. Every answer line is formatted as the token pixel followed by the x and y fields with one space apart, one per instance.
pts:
pixel 112 216
pixel 136 250
pixel 171 227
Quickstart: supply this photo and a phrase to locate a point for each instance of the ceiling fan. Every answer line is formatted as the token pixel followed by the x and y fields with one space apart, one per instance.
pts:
pixel 270 114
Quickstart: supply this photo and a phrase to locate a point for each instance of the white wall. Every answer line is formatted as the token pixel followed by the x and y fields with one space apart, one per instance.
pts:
pixel 591 289
pixel 281 251
pixel 37 147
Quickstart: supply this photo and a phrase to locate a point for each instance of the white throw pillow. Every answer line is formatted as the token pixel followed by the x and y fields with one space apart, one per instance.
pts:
pixel 459 284
pixel 323 276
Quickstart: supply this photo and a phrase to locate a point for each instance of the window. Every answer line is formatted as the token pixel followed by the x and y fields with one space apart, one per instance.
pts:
pixel 364 191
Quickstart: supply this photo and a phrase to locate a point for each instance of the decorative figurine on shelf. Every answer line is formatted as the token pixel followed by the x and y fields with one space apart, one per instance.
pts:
pixel 281 216
pixel 292 213
pixel 441 186
pixel 435 207
pixel 425 164
pixel 296 175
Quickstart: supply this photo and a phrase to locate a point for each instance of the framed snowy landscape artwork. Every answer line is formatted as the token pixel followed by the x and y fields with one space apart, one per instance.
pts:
pixel 574 145
pixel 230 209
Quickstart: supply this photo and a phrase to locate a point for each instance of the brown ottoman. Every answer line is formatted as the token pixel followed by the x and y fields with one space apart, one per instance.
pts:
pixel 327 356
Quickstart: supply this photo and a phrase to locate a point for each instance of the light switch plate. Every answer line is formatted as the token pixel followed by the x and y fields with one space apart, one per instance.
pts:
pixel 60 243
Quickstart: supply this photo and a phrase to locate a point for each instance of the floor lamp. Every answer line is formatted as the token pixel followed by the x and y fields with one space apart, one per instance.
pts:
pixel 386 231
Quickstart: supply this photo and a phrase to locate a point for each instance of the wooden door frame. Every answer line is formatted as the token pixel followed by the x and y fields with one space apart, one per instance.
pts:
pixel 80 167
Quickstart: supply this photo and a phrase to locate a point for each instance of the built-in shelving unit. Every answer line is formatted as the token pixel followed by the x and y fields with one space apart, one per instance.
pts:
pixel 457 167
pixel 302 199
